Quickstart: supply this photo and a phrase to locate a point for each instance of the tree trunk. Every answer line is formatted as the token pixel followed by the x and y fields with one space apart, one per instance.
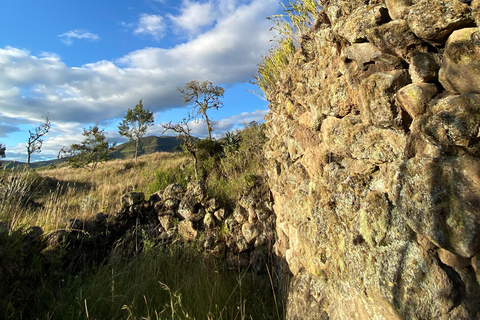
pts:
pixel 136 150
pixel 209 128
pixel 195 164
pixel 28 158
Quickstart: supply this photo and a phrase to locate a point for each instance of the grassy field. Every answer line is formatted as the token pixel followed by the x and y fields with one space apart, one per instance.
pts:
pixel 174 281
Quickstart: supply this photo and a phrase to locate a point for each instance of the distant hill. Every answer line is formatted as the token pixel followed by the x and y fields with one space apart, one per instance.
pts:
pixel 126 150
pixel 148 145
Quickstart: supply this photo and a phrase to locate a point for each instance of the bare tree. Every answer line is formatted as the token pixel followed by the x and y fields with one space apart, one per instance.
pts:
pixel 205 96
pixel 189 142
pixel 35 141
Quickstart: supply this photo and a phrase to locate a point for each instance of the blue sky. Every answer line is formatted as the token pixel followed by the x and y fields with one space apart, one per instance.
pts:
pixel 84 61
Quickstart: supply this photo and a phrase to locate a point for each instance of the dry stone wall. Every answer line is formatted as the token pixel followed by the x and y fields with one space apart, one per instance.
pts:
pixel 373 162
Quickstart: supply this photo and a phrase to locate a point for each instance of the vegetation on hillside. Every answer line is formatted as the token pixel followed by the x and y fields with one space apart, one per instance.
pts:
pixel 167 282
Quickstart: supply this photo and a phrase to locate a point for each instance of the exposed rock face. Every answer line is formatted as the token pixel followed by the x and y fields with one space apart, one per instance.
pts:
pixel 374 162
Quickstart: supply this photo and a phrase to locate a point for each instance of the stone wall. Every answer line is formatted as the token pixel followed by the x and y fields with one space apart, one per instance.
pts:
pixel 373 162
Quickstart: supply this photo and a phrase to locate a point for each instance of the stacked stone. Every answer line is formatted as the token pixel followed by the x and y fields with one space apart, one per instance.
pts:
pixel 374 161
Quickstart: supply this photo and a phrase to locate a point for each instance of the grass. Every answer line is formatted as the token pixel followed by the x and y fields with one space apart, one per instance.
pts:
pixel 163 285
pixel 299 16
pixel 175 281
pixel 50 197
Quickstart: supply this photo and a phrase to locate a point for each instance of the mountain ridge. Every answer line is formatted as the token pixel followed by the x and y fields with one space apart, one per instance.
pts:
pixel 148 145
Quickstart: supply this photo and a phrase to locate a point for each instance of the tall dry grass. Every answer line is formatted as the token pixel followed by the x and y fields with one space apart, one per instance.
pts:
pixel 50 197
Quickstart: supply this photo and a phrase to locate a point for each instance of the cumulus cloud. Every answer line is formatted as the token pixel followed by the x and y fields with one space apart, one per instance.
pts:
pixel 151 25
pixel 34 85
pixel 193 16
pixel 68 37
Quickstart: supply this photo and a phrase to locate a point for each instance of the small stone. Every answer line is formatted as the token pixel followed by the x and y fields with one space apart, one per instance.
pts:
pixel 132 198
pixel 167 222
pixel 154 198
pixel 452 260
pixel 196 191
pixel 455 120
pixel 252 215
pixel 220 214
pixel 187 231
pixel 415 98
pixel 250 232
pixel 377 96
pixel 398 9
pixel 424 66
pixel 209 221
pixel 75 224
pixel 394 37
pixel 240 214
pixel 173 191
pixel 171 204
pixel 435 20
pixel 355 27
pixel 186 209
pixel 363 53
pixel 212 205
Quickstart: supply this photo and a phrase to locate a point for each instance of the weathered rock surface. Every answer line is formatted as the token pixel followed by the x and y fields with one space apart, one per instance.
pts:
pixel 460 71
pixel 374 163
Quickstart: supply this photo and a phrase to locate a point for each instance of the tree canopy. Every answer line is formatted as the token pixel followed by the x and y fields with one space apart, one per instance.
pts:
pixel 93 150
pixel 204 96
pixel 135 125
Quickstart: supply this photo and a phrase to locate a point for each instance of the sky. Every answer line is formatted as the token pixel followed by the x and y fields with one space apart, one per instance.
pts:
pixel 84 62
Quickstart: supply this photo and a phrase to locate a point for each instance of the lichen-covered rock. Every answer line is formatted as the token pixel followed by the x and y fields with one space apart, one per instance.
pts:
pixel 452 260
pixel 455 120
pixel 354 26
pixel 440 199
pixel 187 231
pixel 436 20
pixel 424 66
pixel 394 37
pixel 416 98
pixel 209 221
pixel 460 71
pixel 398 9
pixel 132 199
pixel 373 166
pixel 250 232
pixel 173 191
pixel 377 97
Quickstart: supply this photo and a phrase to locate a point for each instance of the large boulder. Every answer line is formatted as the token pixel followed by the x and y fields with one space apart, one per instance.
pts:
pixel 460 71
pixel 435 20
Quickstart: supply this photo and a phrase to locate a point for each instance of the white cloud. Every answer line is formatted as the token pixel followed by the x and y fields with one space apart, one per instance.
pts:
pixel 152 25
pixel 67 37
pixel 31 86
pixel 194 16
